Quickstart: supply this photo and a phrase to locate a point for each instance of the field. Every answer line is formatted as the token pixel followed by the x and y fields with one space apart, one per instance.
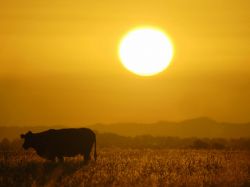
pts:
pixel 129 167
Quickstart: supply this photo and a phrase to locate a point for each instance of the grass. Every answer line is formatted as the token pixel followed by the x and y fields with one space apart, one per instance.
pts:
pixel 130 167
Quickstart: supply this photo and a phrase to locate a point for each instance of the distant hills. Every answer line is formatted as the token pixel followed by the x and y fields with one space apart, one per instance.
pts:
pixel 198 127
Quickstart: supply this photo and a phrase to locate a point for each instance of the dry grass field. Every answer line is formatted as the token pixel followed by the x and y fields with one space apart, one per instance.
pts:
pixel 130 167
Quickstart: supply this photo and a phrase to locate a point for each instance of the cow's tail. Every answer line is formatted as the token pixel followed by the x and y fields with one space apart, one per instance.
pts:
pixel 95 155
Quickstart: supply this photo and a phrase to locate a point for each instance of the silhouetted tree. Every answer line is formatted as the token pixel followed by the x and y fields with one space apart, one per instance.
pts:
pixel 5 145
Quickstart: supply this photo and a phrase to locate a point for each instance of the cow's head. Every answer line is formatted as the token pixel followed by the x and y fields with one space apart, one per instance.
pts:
pixel 27 139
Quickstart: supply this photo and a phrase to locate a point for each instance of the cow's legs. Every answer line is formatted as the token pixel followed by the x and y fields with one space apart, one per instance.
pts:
pixel 87 153
pixel 52 158
pixel 86 156
pixel 60 158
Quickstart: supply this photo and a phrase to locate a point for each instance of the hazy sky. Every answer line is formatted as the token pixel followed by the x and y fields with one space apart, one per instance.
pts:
pixel 59 62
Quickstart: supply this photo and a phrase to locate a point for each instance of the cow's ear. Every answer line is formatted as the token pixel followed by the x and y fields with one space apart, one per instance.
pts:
pixel 29 132
pixel 22 136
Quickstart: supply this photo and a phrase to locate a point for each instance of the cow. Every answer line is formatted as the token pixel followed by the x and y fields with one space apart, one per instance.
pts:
pixel 52 144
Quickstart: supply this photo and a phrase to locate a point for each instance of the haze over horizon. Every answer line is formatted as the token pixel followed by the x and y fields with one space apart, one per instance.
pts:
pixel 59 62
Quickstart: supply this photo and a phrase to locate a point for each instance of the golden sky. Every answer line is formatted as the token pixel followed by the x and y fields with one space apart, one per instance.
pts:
pixel 59 62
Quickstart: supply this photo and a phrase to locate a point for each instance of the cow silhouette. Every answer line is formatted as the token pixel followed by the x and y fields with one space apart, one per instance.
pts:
pixel 52 144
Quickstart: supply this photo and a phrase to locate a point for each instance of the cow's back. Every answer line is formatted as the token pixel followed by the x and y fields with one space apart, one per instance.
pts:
pixel 66 142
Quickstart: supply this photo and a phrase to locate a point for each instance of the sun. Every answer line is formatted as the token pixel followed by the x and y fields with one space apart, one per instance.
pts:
pixel 146 51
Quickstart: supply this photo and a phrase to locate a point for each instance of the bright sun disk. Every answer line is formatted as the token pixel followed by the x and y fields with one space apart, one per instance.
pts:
pixel 146 51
